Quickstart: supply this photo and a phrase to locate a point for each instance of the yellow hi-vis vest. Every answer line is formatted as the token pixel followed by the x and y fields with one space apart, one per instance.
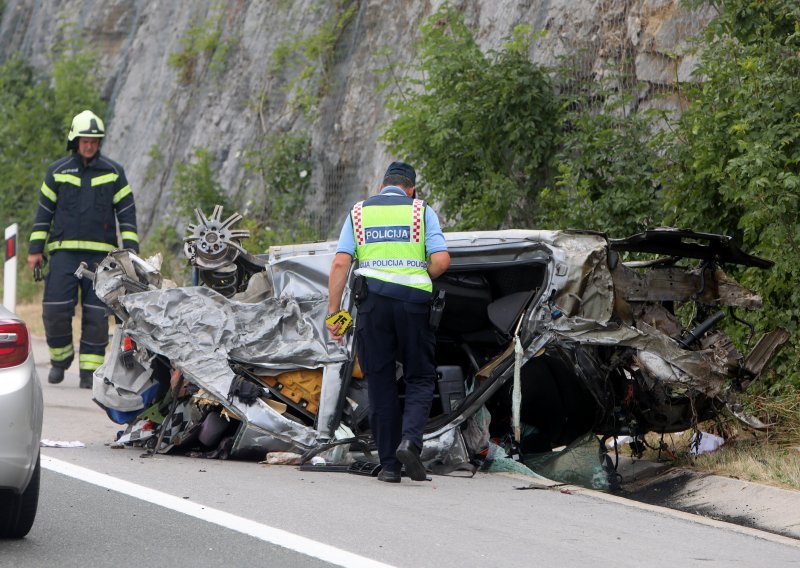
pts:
pixel 390 246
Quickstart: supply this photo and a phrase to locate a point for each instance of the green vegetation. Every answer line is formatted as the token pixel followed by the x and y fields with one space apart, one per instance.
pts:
pixel 282 161
pixel 203 44
pixel 498 145
pixel 196 187
pixel 309 58
pixel 155 164
pixel 604 165
pixel 35 115
pixel 732 166
pixel 284 167
pixel 480 127
pixel 165 240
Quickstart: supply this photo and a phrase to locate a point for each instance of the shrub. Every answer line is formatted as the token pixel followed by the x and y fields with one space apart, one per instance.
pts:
pixel 479 127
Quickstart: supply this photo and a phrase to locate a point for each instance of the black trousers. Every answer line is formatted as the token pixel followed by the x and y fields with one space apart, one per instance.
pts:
pixel 62 289
pixel 390 330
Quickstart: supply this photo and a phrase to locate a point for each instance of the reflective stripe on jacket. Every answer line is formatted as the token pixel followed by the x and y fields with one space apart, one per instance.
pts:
pixel 389 232
pixel 79 207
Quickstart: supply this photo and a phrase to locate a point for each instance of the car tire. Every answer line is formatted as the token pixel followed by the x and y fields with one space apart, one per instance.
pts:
pixel 17 512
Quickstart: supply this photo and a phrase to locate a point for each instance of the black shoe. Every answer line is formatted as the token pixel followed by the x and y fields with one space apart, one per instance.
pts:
pixel 389 476
pixel 55 376
pixel 408 454
pixel 87 378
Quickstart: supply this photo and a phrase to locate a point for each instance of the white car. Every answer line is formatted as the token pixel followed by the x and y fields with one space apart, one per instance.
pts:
pixel 21 408
pixel 547 338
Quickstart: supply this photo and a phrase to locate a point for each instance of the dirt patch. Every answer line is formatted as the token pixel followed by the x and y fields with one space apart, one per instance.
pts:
pixel 725 499
pixel 31 314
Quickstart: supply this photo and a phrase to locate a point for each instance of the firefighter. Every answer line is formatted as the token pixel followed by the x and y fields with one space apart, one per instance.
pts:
pixel 83 198
pixel 400 247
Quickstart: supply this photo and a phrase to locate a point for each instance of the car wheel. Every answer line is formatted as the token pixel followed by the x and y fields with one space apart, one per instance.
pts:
pixel 17 512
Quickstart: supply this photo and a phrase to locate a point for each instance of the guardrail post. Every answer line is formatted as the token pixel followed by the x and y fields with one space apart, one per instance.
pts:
pixel 10 269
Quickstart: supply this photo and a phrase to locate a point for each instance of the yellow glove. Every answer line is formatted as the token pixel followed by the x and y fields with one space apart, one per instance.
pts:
pixel 341 318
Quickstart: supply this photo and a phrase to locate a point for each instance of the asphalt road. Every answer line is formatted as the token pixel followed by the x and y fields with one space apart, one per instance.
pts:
pixel 80 524
pixel 106 507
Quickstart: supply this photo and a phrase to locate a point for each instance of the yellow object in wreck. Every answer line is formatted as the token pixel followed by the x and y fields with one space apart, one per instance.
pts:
pixel 357 372
pixel 302 387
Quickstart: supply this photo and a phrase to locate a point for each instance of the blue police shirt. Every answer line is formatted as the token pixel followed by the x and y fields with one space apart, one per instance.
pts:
pixel 434 238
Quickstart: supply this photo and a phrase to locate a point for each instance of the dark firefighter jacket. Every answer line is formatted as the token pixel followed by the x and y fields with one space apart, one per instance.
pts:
pixel 78 205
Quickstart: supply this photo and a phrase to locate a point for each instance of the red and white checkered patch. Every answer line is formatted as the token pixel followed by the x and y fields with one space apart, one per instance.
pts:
pixel 416 220
pixel 358 224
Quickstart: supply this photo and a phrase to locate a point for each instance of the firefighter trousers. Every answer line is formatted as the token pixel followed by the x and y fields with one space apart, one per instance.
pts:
pixel 62 290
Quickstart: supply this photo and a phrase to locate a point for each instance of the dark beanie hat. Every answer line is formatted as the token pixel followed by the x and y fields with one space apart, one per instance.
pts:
pixel 401 169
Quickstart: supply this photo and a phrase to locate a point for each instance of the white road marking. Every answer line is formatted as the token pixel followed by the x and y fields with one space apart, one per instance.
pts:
pixel 266 533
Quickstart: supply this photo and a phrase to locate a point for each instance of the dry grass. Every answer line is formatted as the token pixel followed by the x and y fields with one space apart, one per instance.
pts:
pixel 31 314
pixel 782 412
pixel 771 457
pixel 752 460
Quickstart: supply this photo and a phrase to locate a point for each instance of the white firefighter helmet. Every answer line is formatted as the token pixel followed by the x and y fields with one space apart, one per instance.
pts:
pixel 86 124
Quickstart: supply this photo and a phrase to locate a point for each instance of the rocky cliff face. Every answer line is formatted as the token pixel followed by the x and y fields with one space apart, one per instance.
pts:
pixel 234 99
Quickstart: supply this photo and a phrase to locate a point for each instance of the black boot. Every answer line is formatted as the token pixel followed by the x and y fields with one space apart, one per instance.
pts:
pixel 55 376
pixel 408 454
pixel 389 476
pixel 87 378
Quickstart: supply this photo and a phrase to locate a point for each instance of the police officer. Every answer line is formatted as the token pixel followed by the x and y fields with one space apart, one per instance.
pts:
pixel 83 197
pixel 399 246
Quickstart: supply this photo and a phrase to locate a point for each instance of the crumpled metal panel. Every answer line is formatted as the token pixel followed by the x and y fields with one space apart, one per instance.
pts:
pixel 329 399
pixel 689 244
pixel 303 276
pixel 199 330
pixel 279 432
pixel 588 292
pixel 494 240
pixel 187 324
pixel 587 302
pixel 448 449
pixel 679 284
pixel 661 355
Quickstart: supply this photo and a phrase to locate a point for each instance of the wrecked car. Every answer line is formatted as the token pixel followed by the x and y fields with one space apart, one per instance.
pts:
pixel 545 337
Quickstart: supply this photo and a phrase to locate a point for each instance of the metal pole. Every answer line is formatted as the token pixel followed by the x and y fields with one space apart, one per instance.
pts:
pixel 10 269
